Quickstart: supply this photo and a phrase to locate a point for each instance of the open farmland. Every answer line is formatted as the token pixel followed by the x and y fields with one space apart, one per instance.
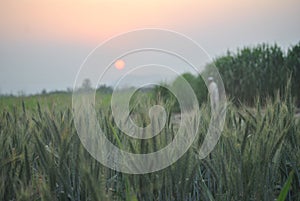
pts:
pixel 42 157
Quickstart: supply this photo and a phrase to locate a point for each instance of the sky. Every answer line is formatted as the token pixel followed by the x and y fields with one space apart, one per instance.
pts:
pixel 44 42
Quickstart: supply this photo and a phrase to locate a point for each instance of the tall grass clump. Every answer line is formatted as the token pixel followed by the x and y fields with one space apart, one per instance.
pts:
pixel 257 151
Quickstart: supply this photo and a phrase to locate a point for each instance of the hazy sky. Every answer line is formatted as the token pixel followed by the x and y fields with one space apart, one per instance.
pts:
pixel 44 42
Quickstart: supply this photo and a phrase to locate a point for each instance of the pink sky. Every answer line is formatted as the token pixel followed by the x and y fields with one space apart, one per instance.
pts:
pixel 95 20
pixel 43 42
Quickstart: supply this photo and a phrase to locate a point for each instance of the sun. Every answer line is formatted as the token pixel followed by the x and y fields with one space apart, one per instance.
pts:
pixel 119 64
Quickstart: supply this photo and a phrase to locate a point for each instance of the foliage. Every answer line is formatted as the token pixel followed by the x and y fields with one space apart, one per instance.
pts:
pixel 293 64
pixel 260 71
pixel 86 84
pixel 41 158
pixel 251 73
pixel 104 89
pixel 196 82
pixel 286 187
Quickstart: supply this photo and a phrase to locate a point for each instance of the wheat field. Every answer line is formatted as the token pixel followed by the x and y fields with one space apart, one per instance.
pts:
pixel 42 158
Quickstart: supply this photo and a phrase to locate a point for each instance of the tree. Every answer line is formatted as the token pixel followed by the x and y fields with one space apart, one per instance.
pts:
pixel 86 84
pixel 293 64
pixel 105 89
pixel 252 72
pixel 197 84
pixel 44 92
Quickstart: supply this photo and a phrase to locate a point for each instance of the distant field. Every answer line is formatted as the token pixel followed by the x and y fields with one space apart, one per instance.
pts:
pixel 55 100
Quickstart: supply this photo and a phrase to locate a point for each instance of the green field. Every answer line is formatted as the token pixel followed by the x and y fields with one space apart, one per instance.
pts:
pixel 257 157
pixel 42 157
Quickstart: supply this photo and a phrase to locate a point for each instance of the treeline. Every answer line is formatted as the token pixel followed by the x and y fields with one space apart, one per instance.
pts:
pixel 250 73
pixel 260 72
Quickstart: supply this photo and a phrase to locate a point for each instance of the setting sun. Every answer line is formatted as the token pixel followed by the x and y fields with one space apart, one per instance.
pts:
pixel 119 64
